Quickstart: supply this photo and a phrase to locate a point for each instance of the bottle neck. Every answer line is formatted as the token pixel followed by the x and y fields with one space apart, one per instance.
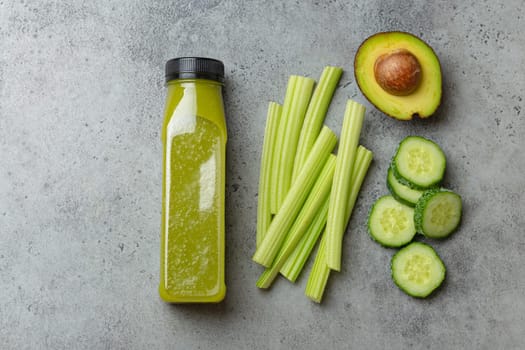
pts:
pixel 199 97
pixel 203 94
pixel 188 83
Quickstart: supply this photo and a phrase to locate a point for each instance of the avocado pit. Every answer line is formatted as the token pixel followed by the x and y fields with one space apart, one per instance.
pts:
pixel 398 72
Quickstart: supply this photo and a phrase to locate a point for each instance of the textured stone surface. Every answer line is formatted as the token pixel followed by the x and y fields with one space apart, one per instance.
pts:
pixel 81 99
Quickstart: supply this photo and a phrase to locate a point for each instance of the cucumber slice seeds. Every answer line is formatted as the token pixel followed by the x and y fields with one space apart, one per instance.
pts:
pixel 417 269
pixel 391 223
pixel 419 163
pixel 438 213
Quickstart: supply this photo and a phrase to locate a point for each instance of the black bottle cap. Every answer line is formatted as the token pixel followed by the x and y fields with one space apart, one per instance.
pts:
pixel 195 67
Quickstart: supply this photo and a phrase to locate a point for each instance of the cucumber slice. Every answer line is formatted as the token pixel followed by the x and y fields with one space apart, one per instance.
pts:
pixel 417 269
pixel 419 163
pixel 438 213
pixel 401 192
pixel 391 223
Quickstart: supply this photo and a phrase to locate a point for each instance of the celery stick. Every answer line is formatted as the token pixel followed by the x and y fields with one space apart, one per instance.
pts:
pixel 315 115
pixel 319 274
pixel 363 160
pixel 293 202
pixel 335 224
pixel 295 262
pixel 278 147
pixel 293 113
pixel 264 215
pixel 320 271
pixel 316 199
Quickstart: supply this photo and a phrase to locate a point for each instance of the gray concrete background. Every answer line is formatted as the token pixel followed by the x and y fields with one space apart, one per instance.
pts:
pixel 81 99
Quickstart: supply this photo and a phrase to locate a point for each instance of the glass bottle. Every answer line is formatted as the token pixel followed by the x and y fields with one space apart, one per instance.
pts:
pixel 194 142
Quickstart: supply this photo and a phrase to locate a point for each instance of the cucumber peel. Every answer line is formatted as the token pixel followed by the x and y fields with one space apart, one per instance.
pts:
pixel 417 269
pixel 391 223
pixel 400 191
pixel 419 163
pixel 438 213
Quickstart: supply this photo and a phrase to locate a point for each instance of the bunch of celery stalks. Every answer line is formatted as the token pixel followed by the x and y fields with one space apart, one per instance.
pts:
pixel 306 192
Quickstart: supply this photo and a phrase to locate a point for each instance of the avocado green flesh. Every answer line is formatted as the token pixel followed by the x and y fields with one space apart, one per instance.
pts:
pixel 424 100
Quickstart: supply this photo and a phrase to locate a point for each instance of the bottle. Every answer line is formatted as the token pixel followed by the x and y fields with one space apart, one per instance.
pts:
pixel 194 141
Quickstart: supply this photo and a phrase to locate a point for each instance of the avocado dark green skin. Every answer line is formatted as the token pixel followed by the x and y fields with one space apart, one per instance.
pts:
pixel 369 100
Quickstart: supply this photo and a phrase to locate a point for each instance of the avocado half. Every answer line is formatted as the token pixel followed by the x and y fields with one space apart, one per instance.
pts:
pixel 424 96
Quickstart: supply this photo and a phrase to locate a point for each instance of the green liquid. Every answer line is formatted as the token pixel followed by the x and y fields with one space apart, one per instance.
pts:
pixel 193 209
